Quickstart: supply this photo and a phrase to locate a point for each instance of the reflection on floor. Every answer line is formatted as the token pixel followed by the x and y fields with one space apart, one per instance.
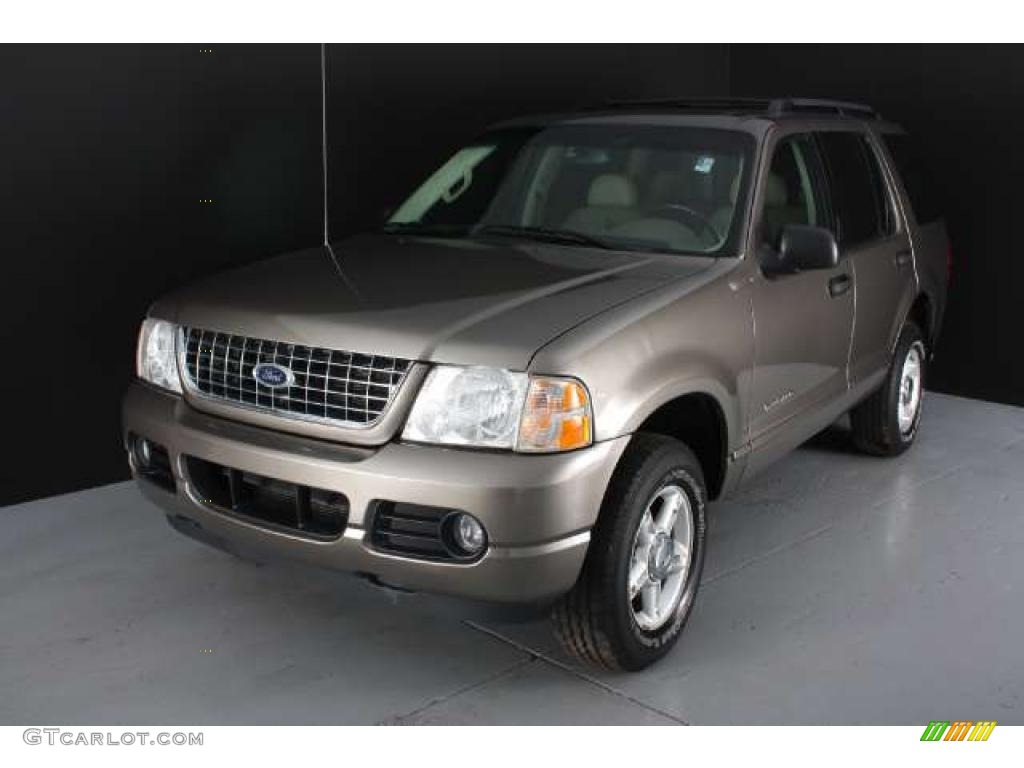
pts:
pixel 839 589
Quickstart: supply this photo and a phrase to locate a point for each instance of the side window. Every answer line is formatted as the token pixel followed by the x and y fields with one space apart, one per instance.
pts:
pixel 915 179
pixel 793 191
pixel 859 198
pixel 883 203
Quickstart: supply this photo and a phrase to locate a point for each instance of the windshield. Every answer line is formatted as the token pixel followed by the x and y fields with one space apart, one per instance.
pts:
pixel 628 187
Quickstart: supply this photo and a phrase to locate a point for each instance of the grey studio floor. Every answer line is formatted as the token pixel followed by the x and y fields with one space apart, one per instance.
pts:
pixel 838 589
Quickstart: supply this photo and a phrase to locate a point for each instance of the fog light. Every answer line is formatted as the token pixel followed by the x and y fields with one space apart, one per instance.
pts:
pixel 467 533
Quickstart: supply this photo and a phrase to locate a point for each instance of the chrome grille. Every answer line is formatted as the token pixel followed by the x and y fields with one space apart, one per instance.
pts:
pixel 343 388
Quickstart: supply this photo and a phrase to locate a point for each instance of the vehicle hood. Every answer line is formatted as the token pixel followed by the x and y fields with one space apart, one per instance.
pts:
pixel 452 301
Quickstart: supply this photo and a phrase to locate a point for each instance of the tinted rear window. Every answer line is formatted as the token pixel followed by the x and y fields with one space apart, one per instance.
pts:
pixel 859 200
pixel 920 189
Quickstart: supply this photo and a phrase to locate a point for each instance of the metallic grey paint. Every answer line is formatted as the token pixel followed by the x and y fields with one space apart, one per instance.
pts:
pixel 780 357
pixel 537 509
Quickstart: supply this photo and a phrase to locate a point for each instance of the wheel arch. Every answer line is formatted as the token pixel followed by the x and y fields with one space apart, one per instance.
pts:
pixel 698 420
pixel 922 313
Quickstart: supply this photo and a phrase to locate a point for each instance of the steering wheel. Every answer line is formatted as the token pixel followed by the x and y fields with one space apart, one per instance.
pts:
pixel 686 215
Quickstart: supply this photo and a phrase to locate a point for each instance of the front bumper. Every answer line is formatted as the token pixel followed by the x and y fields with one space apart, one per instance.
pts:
pixel 537 509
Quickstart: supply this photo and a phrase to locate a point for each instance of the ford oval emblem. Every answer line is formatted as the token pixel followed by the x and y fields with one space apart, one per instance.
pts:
pixel 273 375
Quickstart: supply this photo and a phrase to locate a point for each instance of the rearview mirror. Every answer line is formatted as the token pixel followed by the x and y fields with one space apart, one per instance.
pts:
pixel 801 248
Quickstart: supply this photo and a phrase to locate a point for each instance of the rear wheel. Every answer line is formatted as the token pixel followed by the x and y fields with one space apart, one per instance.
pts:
pixel 886 423
pixel 643 567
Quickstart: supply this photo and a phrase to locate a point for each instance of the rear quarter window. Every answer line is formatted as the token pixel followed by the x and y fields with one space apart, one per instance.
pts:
pixel 916 181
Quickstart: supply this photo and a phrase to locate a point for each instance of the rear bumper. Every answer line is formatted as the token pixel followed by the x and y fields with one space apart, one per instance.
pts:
pixel 537 510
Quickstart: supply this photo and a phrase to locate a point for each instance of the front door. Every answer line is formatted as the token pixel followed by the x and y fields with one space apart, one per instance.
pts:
pixel 804 321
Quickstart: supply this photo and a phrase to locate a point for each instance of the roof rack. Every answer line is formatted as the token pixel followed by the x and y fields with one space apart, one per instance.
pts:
pixel 743 105
pixel 827 106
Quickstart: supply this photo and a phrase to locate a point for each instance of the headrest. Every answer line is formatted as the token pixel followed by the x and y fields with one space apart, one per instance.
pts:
pixel 775 191
pixel 611 189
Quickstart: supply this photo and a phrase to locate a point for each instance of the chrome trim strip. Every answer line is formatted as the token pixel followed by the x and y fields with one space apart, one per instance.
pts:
pixel 533 550
pixel 537 550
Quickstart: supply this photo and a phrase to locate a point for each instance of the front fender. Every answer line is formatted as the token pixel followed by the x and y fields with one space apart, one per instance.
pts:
pixel 635 358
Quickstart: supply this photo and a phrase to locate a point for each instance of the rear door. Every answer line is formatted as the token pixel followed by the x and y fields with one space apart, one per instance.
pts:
pixel 921 212
pixel 874 241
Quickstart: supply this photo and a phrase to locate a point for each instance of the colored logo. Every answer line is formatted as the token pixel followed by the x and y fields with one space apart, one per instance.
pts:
pixel 960 730
pixel 273 375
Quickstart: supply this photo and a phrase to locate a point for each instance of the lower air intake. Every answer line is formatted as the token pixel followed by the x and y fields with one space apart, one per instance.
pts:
pixel 275 504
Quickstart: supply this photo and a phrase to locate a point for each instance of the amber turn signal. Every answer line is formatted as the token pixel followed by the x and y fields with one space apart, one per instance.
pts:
pixel 556 416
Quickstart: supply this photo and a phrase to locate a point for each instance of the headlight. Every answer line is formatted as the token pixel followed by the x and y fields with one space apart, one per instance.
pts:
pixel 494 408
pixel 155 360
pixel 468 406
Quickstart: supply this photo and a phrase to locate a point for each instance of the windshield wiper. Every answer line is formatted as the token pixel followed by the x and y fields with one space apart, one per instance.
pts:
pixel 561 236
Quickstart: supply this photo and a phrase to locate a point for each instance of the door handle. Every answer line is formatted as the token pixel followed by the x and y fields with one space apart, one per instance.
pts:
pixel 901 259
pixel 839 285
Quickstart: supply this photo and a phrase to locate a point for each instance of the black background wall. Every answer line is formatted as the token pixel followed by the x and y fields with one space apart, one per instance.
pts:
pixel 107 151
pixel 105 154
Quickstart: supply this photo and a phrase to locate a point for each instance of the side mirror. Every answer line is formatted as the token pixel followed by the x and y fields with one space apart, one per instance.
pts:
pixel 802 248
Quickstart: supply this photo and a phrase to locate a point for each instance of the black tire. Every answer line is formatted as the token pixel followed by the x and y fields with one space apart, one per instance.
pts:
pixel 875 422
pixel 595 621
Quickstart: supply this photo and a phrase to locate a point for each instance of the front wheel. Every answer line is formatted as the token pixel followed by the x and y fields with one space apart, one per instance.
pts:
pixel 643 567
pixel 886 423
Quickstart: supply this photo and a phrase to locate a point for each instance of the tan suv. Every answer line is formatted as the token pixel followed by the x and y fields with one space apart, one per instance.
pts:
pixel 527 385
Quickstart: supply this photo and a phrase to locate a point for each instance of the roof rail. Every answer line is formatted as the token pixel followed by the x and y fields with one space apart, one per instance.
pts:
pixel 827 106
pixel 772 107
pixel 724 103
